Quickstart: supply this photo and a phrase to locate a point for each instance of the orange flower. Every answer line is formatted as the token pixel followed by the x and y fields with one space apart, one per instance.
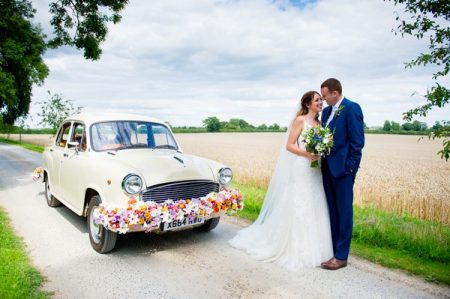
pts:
pixel 148 217
pixel 141 221
pixel 216 210
pixel 181 205
pixel 132 201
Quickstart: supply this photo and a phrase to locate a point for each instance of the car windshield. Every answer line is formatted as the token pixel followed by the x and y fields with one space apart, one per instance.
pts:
pixel 117 135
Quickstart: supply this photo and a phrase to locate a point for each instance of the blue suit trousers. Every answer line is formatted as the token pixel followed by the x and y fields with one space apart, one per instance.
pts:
pixel 339 193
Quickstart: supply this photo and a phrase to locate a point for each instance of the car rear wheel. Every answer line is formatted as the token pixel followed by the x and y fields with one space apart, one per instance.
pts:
pixel 102 240
pixel 208 225
pixel 51 200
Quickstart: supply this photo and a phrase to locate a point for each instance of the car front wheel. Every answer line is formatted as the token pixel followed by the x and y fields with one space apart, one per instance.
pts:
pixel 102 240
pixel 51 200
pixel 208 225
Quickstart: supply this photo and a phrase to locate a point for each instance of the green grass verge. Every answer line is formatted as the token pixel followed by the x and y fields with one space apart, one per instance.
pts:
pixel 18 278
pixel 30 146
pixel 401 241
pixel 396 241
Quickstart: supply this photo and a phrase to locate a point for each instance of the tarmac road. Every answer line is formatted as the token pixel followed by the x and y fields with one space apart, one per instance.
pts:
pixel 184 264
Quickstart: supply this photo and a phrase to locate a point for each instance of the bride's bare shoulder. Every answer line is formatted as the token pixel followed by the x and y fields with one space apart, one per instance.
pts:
pixel 299 120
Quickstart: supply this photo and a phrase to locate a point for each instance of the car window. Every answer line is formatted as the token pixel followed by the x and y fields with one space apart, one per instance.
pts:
pixel 131 134
pixel 79 135
pixel 63 135
pixel 162 136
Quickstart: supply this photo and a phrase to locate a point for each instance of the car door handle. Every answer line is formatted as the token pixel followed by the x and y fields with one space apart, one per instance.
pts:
pixel 66 155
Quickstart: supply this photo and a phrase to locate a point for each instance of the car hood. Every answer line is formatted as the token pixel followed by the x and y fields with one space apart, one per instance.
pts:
pixel 161 166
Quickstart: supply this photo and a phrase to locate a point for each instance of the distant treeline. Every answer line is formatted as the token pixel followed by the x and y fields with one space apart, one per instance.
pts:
pixel 409 128
pixel 214 124
pixel 9 129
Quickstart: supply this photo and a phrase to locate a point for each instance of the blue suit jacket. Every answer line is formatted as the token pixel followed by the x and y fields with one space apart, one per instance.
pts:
pixel 348 127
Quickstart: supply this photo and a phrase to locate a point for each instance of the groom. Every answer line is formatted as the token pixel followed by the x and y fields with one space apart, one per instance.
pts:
pixel 339 168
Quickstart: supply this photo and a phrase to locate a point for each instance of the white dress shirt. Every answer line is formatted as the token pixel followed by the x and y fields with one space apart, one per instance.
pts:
pixel 334 108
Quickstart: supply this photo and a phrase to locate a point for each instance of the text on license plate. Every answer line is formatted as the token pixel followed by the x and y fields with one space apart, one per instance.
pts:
pixel 180 223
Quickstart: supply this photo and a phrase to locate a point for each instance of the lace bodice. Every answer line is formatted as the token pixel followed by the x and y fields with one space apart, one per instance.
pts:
pixel 301 137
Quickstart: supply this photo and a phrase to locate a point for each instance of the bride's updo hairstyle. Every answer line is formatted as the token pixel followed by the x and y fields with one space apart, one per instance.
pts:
pixel 306 101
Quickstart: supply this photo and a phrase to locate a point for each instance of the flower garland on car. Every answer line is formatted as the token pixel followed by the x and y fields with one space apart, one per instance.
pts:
pixel 148 216
pixel 38 174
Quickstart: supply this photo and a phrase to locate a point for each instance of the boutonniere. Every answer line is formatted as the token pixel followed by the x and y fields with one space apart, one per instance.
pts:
pixel 338 111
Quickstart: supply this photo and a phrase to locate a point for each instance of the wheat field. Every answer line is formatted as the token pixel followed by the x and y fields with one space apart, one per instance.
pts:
pixel 398 173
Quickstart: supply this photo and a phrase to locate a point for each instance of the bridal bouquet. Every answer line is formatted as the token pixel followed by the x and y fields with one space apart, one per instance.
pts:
pixel 318 141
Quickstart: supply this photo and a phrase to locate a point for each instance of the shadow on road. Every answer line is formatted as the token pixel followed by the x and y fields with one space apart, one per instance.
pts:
pixel 145 243
pixel 77 221
pixel 140 242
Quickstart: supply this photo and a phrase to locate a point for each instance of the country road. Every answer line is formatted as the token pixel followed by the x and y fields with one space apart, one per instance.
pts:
pixel 175 265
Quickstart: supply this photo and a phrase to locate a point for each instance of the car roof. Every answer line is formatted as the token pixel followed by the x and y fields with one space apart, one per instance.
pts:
pixel 90 118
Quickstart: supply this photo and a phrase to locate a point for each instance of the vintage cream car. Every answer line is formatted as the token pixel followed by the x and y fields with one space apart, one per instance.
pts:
pixel 128 172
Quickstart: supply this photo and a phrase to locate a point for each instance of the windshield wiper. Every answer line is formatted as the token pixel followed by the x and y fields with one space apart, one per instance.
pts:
pixel 168 146
pixel 133 146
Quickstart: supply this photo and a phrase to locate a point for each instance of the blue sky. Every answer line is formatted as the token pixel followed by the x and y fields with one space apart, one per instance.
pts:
pixel 185 60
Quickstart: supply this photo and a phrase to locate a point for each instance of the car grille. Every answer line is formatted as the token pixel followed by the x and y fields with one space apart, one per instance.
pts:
pixel 179 190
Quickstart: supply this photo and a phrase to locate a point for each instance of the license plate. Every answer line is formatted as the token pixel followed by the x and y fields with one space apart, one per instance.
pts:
pixel 175 224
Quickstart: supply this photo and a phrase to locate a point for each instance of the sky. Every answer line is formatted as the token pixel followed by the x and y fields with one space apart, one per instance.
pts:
pixel 185 60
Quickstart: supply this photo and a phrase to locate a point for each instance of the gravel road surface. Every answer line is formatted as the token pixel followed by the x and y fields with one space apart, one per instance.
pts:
pixel 176 265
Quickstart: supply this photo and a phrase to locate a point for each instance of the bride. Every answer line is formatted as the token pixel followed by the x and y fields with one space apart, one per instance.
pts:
pixel 293 227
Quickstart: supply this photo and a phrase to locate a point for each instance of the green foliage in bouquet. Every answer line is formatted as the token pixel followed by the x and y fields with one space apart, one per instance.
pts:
pixel 318 141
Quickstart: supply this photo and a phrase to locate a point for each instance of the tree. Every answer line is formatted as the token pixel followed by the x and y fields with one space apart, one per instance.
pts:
pixel 387 126
pixel 437 125
pixel 416 125
pixel 430 19
pixel 233 124
pixel 262 127
pixel 395 126
pixel 212 124
pixel 274 127
pixel 55 109
pixel 78 23
pixel 243 124
pixel 407 127
pixel 86 20
pixel 21 48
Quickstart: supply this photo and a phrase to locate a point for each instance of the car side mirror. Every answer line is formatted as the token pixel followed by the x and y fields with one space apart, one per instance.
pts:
pixel 73 144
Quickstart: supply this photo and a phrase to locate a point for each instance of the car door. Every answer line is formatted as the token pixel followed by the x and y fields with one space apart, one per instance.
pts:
pixel 73 168
pixel 57 154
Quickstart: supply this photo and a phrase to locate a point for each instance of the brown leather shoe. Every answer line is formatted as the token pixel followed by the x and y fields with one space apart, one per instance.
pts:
pixel 334 264
pixel 327 261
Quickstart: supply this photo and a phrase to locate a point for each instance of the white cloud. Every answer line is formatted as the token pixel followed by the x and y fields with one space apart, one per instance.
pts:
pixel 183 61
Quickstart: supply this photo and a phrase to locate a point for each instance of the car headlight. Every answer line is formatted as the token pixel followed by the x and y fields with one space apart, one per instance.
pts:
pixel 225 176
pixel 132 184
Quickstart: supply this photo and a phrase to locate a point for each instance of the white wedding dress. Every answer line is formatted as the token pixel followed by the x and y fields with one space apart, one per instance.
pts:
pixel 293 227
